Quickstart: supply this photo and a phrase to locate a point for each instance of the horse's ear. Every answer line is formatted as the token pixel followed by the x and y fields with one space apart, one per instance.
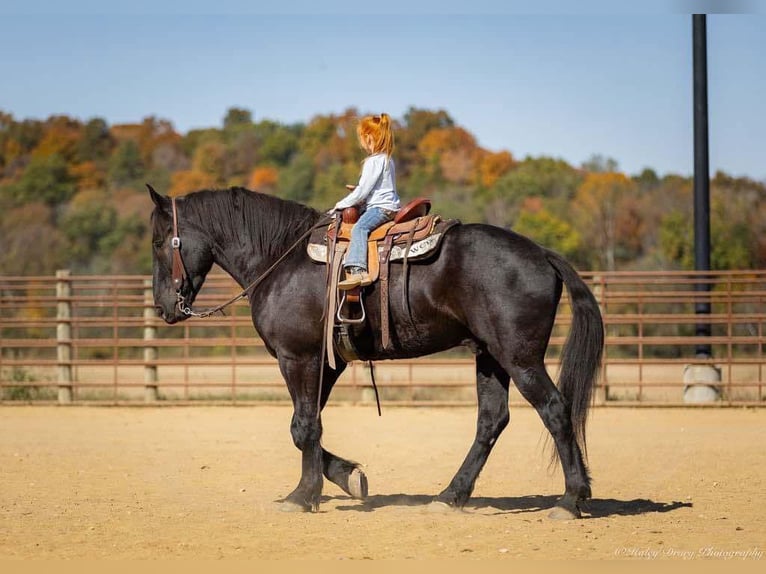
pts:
pixel 159 200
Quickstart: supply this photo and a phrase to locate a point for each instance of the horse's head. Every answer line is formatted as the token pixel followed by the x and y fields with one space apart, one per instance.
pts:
pixel 181 258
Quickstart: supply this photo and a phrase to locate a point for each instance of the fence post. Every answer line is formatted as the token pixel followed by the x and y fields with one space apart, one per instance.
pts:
pixel 64 335
pixel 150 351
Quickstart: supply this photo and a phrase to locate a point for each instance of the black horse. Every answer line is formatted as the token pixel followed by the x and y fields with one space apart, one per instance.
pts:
pixel 489 289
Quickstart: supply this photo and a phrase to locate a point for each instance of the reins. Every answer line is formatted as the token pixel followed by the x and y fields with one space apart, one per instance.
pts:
pixel 179 274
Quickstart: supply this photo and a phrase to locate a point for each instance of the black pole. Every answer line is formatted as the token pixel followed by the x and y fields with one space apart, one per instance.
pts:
pixel 701 179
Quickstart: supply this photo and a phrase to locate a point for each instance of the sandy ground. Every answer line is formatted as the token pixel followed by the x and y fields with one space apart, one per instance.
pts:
pixel 203 482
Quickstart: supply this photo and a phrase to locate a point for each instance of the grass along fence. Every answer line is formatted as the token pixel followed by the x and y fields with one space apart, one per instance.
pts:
pixel 96 339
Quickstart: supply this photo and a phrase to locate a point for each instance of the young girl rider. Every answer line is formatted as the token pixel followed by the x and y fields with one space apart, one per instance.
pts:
pixel 375 195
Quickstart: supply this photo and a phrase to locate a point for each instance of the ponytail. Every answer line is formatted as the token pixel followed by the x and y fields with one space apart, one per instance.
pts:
pixel 381 130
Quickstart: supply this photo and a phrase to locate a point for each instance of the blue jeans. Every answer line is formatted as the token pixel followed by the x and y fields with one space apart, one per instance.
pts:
pixel 371 219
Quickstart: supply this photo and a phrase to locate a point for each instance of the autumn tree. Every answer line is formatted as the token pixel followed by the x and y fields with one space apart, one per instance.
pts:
pixel 417 123
pixel 264 179
pixel 600 203
pixel 542 226
pixel 31 242
pixel 551 179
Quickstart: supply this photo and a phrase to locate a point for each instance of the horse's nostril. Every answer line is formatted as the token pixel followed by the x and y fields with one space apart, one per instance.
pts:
pixel 159 310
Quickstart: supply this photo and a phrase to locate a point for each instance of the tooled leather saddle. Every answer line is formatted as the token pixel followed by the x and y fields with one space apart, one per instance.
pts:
pixel 414 234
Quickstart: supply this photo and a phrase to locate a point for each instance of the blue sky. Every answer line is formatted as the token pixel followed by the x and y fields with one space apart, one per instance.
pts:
pixel 547 83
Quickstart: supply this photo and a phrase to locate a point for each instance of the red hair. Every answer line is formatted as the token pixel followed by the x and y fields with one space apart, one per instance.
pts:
pixel 381 131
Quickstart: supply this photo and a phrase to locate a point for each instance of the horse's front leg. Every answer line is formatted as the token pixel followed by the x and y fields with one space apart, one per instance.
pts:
pixel 302 378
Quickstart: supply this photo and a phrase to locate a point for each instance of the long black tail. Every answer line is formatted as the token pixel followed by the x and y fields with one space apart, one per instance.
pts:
pixel 583 349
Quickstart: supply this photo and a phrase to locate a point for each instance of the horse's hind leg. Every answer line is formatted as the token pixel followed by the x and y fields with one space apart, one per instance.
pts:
pixel 537 387
pixel 492 389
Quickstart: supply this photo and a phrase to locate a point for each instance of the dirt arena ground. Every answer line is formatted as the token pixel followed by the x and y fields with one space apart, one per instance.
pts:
pixel 204 482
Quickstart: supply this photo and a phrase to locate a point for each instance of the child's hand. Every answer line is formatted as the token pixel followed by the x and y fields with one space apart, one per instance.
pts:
pixel 350 187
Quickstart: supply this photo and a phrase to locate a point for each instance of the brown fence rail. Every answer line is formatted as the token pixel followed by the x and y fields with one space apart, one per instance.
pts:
pixel 97 339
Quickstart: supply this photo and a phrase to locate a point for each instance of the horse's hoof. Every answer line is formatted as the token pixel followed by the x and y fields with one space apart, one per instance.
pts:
pixel 561 513
pixel 290 506
pixel 439 507
pixel 357 484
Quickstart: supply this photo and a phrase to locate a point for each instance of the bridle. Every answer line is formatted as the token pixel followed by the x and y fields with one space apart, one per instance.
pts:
pixel 180 276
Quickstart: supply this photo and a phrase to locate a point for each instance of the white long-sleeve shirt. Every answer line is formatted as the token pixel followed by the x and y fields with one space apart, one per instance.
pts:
pixel 376 187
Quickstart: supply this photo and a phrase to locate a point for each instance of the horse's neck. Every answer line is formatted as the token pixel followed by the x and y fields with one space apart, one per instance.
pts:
pixel 258 250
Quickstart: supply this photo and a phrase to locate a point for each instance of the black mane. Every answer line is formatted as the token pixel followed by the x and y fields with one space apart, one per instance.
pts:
pixel 232 215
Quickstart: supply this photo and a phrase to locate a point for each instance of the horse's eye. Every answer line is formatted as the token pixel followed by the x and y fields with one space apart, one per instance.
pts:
pixel 159 243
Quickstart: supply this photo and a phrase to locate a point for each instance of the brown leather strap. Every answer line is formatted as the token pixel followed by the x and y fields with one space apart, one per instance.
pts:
pixel 179 271
pixel 406 276
pixel 332 303
pixel 385 253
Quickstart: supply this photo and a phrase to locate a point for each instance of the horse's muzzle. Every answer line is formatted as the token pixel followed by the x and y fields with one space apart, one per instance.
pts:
pixel 169 318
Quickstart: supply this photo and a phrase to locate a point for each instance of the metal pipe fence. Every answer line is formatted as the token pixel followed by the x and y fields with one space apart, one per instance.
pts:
pixel 96 339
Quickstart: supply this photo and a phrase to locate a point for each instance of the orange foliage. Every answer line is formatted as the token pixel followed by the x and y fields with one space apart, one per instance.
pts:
pixel 455 150
pixel 88 176
pixel 60 138
pixel 600 192
pixel 492 166
pixel 148 135
pixel 532 204
pixel 440 140
pixel 12 150
pixel 182 182
pixel 263 178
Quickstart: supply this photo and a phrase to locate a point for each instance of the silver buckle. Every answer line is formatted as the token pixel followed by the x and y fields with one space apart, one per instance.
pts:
pixel 175 242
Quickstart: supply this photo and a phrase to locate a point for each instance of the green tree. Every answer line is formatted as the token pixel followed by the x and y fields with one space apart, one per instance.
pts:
pixel 237 118
pixel 46 179
pixel 95 143
pixel 548 230
pixel 544 177
pixel 276 143
pixel 297 179
pixel 87 224
pixel 126 168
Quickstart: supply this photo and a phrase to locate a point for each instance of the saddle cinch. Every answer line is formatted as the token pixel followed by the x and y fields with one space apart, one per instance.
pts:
pixel 412 235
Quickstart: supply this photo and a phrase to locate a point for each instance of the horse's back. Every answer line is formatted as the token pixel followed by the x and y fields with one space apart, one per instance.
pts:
pixel 495 259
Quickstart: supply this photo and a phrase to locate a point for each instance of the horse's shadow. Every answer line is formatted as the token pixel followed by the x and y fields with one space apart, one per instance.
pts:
pixel 593 508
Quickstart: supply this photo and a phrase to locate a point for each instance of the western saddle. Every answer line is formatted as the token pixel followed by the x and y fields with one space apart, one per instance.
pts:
pixel 413 234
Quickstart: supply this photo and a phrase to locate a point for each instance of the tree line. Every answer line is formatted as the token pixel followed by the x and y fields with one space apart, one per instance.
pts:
pixel 72 192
